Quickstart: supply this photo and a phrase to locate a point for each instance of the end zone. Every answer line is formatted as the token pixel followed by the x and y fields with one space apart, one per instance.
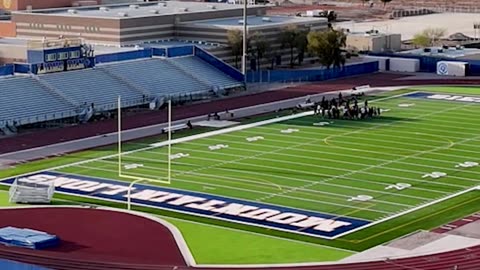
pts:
pixel 218 207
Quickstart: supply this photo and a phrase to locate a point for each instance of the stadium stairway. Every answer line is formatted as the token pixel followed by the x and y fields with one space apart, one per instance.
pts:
pixel 129 84
pixel 55 91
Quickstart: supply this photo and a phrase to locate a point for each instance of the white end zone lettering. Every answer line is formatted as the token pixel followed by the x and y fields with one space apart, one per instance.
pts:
pixel 207 206
pixel 261 214
pixel 321 224
pixel 287 218
pixel 234 209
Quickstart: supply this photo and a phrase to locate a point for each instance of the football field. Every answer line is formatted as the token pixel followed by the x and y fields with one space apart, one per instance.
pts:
pixel 421 151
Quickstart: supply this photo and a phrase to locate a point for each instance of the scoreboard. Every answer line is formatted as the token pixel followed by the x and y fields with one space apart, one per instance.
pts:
pixel 58 58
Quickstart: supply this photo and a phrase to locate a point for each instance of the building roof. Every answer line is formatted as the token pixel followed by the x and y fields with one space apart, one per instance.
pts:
pixel 135 10
pixel 257 21
pixel 451 52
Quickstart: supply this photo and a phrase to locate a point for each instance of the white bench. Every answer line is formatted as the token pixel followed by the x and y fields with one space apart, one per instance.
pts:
pixel 174 128
pixel 362 87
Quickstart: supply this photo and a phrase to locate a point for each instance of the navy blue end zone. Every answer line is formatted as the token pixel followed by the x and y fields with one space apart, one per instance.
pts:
pixel 445 97
pixel 196 203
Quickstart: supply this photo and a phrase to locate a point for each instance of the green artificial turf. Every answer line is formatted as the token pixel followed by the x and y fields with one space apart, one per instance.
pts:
pixel 217 245
pixel 319 169
pixel 4 199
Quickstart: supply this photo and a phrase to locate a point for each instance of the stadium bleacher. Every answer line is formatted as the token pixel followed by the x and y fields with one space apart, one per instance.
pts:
pixel 32 98
pixel 203 71
pixel 91 86
pixel 158 76
pixel 26 100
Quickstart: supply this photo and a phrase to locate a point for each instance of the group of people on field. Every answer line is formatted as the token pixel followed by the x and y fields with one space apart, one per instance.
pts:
pixel 345 108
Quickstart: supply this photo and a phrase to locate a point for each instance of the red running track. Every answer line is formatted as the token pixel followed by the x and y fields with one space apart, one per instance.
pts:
pixel 96 239
pixel 46 137
pixel 93 237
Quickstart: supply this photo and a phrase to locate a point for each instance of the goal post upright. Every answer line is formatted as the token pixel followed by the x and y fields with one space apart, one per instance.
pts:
pixel 138 179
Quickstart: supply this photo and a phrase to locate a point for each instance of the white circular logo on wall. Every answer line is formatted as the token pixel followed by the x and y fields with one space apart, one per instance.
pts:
pixel 443 69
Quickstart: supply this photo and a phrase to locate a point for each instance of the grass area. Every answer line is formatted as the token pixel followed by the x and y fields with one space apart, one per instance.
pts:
pixel 471 90
pixel 240 247
pixel 319 169
pixel 4 199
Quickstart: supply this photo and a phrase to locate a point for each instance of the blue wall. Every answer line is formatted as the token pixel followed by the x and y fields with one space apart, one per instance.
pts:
pixel 6 70
pixel 22 68
pixel 429 63
pixel 180 51
pixel 212 60
pixel 11 265
pixel 311 74
pixel 123 56
pixel 159 52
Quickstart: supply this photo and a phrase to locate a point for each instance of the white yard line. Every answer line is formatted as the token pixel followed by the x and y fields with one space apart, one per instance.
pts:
pixel 243 190
pixel 320 153
pixel 364 138
pixel 237 179
pixel 301 164
pixel 315 131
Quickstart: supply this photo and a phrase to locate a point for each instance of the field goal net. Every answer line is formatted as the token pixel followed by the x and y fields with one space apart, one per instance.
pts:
pixel 22 192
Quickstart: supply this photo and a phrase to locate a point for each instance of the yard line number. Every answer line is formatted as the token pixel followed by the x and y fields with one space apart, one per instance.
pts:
pixel 289 130
pixel 218 147
pixel 254 139
pixel 179 155
pixel 399 186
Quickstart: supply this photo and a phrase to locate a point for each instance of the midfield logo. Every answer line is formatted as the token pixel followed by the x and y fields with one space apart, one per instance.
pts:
pixel 235 210
pixel 455 98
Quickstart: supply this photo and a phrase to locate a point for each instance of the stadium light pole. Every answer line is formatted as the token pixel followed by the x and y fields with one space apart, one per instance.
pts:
pixel 244 52
pixel 169 159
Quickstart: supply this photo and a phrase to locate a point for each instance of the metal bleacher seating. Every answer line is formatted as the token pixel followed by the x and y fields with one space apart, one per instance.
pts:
pixel 157 76
pixel 92 86
pixel 38 98
pixel 204 71
pixel 25 101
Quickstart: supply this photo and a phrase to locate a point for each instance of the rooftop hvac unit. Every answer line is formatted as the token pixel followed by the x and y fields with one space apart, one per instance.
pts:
pixel 72 11
pixel 134 6
pixel 183 9
pixel 162 4
pixel 240 21
pixel 266 19
pixel 122 14
pixel 211 7
pixel 105 9
pixel 154 11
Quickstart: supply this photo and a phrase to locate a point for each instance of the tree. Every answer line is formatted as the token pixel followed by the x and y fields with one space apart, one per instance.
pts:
pixel 301 44
pixel 421 40
pixel 434 34
pixel 235 40
pixel 258 47
pixel 294 38
pixel 385 2
pixel 327 46
pixel 428 37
